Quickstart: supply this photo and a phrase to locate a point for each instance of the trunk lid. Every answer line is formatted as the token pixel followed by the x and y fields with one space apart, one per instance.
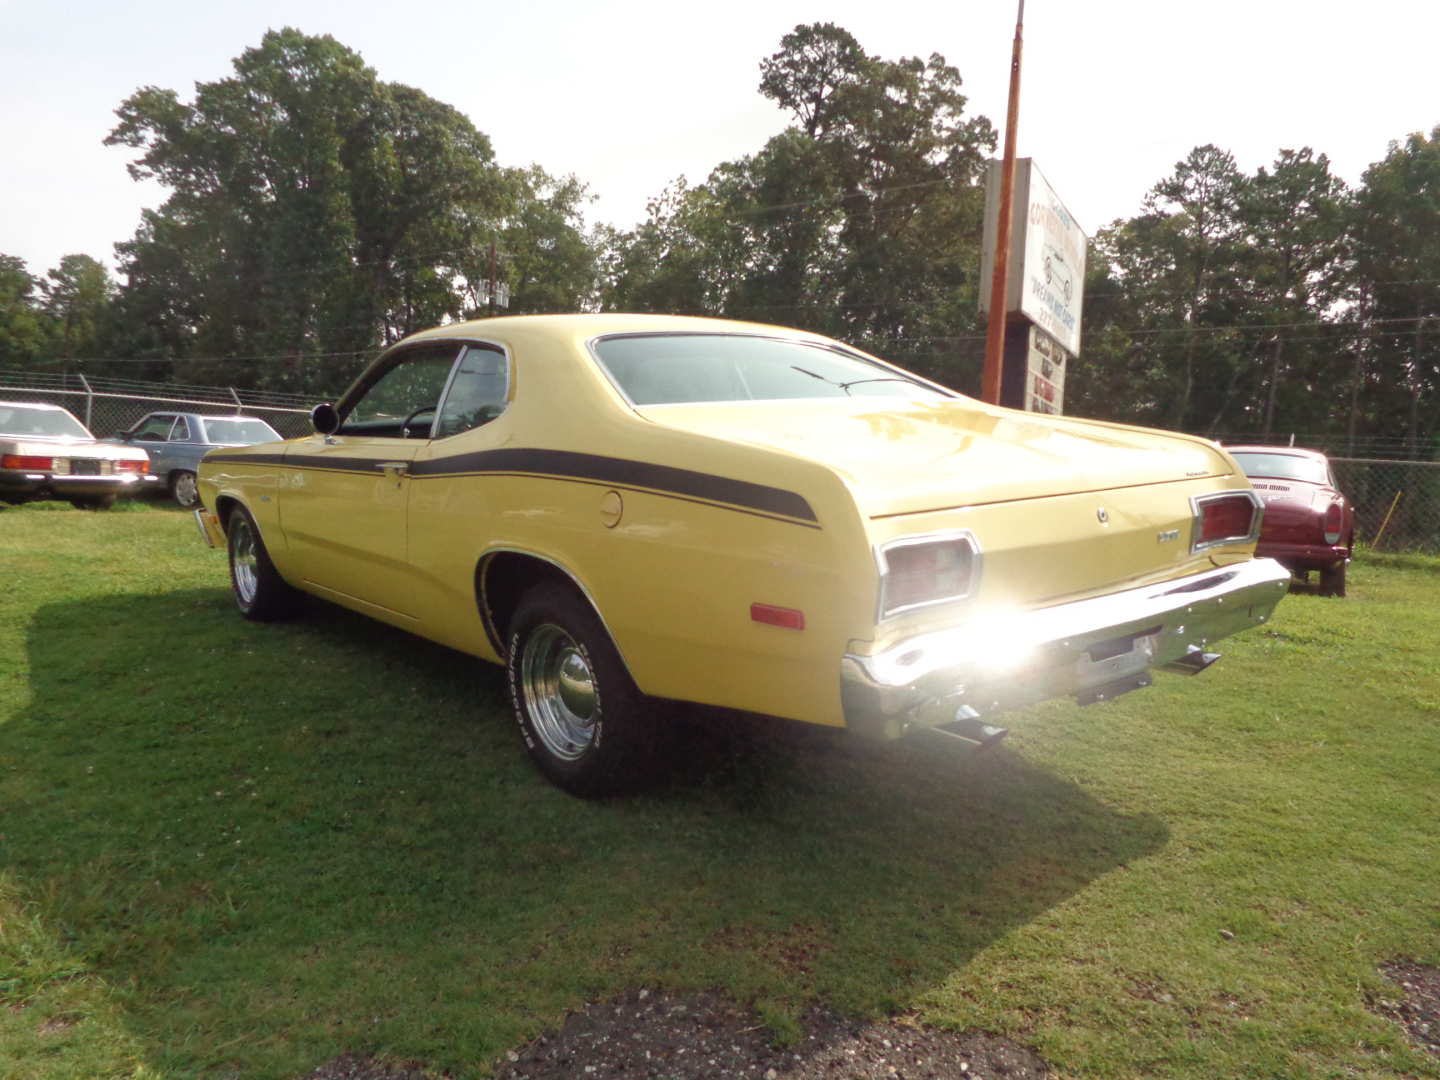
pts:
pixel 915 457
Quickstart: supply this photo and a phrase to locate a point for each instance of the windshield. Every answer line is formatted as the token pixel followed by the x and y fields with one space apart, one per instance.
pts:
pixel 668 369
pixel 1284 467
pixel 239 432
pixel 40 423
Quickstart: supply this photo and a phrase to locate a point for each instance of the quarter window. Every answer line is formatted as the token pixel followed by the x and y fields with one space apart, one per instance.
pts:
pixel 477 393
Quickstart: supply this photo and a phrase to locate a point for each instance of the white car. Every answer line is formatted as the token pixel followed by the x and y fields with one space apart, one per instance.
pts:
pixel 45 453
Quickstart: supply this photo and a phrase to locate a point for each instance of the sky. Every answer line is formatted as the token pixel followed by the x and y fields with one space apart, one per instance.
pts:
pixel 630 95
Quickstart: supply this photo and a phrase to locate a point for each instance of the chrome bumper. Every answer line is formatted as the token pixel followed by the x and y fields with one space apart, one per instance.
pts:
pixel 1092 649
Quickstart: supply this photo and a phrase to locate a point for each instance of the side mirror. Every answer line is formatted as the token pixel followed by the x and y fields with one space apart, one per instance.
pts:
pixel 324 419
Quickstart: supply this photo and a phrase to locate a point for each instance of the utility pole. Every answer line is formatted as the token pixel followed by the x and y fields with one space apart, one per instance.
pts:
pixel 995 330
pixel 490 285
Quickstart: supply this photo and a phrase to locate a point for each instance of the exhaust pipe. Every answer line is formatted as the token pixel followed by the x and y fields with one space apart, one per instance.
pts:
pixel 968 729
pixel 1193 662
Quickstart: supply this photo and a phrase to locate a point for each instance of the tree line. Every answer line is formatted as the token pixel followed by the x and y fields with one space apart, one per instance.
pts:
pixel 317 213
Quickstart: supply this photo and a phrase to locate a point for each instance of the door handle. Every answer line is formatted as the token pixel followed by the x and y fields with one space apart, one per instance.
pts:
pixel 393 470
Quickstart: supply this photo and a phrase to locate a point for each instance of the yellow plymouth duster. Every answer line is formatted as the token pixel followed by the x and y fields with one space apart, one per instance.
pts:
pixel 627 510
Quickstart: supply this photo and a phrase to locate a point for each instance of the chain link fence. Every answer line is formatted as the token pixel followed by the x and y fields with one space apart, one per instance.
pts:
pixel 108 406
pixel 1397 503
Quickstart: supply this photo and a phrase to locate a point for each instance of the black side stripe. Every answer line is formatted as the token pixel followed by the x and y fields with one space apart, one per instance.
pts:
pixel 248 459
pixel 565 464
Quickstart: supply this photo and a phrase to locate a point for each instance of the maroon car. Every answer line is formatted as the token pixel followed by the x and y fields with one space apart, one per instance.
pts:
pixel 1309 524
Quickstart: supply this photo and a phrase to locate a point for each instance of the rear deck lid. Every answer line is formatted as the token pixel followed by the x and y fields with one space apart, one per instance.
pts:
pixel 912 457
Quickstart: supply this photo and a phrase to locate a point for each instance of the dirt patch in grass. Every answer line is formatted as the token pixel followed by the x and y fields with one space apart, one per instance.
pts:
pixel 656 1036
pixel 1418 1008
pixel 352 1067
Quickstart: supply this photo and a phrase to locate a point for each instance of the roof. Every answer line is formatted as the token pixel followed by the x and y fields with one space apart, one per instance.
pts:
pixel 590 324
pixel 33 405
pixel 1293 451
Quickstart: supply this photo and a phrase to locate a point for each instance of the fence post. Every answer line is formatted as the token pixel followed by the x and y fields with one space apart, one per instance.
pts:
pixel 89 398
pixel 239 406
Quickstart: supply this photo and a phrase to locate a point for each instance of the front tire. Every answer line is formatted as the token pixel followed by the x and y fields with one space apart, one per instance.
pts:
pixel 585 724
pixel 184 489
pixel 260 592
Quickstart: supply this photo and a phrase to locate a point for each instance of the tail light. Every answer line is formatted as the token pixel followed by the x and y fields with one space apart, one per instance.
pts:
pixel 1227 517
pixel 131 465
pixel 921 570
pixel 26 461
pixel 1334 522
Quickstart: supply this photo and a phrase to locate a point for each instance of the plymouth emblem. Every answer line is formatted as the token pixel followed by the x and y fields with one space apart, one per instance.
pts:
pixel 1167 536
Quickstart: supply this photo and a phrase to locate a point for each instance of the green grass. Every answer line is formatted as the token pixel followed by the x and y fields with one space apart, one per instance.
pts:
pixel 230 849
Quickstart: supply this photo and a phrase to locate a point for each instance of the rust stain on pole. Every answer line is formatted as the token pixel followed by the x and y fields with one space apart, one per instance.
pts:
pixel 995 330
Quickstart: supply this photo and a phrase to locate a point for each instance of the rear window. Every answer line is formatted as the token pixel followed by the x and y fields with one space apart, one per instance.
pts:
pixel 1284 467
pixel 671 369
pixel 239 432
pixel 44 423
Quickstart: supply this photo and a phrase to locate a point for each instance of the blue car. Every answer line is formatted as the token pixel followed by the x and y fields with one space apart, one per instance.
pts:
pixel 177 441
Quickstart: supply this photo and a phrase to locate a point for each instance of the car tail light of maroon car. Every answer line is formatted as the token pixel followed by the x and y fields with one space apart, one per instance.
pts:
pixel 1334 522
pixel 1227 517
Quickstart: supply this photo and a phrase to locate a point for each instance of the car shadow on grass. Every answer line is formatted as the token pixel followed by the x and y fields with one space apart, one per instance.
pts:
pixel 293 840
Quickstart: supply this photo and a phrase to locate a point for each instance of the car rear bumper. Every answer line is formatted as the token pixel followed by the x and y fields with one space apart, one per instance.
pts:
pixel 1303 556
pixel 1092 649
pixel 49 486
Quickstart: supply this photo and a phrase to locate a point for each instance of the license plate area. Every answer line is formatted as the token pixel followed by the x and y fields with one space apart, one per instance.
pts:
pixel 1116 658
pixel 84 467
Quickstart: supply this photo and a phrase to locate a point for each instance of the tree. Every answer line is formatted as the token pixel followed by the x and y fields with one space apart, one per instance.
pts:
pixel 860 221
pixel 1296 214
pixel 1183 263
pixel 551 264
pixel 315 212
pixel 25 329
pixel 1396 230
pixel 78 296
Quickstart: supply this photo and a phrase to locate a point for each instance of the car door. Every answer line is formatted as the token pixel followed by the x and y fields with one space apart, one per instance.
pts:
pixel 343 496
pixel 451 513
pixel 185 446
pixel 152 435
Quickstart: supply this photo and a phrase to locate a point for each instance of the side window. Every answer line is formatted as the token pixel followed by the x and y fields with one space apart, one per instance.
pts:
pixel 155 428
pixel 181 431
pixel 477 393
pixel 402 400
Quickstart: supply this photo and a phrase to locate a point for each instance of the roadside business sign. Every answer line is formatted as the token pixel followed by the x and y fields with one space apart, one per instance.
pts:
pixel 1044 373
pixel 1047 256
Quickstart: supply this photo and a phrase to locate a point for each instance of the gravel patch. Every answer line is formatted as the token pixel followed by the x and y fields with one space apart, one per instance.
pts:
pixel 655 1036
pixel 647 1035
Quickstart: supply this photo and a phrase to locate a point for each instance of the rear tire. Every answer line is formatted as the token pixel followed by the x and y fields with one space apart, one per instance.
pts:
pixel 93 502
pixel 1332 580
pixel 260 592
pixel 183 488
pixel 585 724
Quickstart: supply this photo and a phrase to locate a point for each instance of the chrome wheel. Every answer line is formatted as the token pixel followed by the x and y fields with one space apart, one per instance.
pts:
pixel 184 489
pixel 558 688
pixel 243 561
